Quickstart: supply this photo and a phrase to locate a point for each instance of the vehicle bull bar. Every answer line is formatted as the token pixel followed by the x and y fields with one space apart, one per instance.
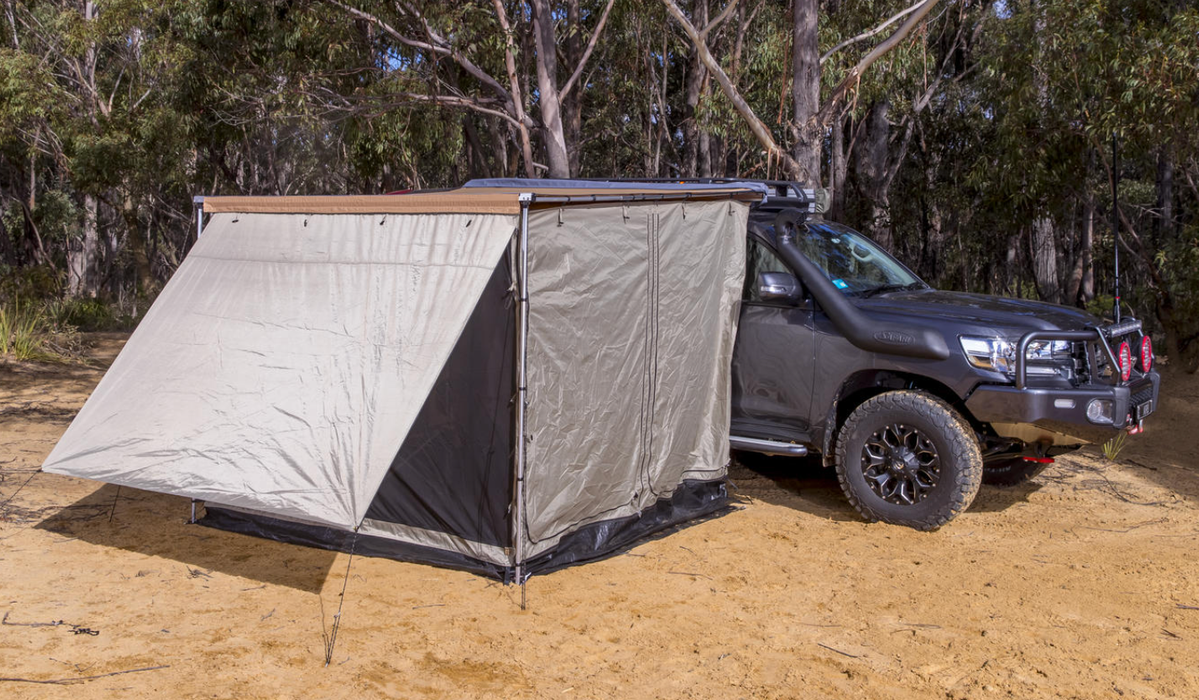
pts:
pixel 1097 336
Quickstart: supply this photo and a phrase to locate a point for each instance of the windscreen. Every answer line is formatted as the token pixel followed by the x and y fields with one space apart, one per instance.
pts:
pixel 855 264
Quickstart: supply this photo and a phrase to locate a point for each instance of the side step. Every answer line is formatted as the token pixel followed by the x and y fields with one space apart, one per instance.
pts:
pixel 767 447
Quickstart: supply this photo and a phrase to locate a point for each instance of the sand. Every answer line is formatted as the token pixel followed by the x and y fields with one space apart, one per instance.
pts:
pixel 1083 584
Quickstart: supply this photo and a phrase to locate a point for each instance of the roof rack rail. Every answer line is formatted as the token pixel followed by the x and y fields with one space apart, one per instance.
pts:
pixel 786 193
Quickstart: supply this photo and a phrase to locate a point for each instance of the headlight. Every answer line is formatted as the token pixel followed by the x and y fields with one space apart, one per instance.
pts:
pixel 995 354
pixel 999 355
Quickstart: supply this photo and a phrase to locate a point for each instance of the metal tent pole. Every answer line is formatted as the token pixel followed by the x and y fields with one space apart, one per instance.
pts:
pixel 198 205
pixel 522 340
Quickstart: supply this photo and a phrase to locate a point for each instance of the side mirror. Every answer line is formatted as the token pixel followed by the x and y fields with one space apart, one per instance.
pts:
pixel 778 286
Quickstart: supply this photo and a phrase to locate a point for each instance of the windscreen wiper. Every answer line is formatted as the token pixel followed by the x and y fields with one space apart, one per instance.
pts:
pixel 885 289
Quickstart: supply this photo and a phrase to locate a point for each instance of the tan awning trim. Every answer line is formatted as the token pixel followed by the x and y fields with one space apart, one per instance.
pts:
pixel 475 200
pixel 431 203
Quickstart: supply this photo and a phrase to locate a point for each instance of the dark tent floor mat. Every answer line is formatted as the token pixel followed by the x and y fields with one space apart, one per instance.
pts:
pixel 691 500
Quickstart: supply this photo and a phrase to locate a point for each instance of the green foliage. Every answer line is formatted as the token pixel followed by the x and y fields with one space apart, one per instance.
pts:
pixel 88 315
pixel 109 125
pixel 1113 447
pixel 28 332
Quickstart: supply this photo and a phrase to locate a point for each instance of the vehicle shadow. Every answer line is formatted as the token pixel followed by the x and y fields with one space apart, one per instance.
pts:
pixel 801 483
pixel 157 525
pixel 805 484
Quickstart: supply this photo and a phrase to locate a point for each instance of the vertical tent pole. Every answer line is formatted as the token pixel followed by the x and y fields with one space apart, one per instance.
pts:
pixel 522 339
pixel 198 205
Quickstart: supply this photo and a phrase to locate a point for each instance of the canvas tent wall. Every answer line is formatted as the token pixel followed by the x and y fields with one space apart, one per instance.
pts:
pixel 506 379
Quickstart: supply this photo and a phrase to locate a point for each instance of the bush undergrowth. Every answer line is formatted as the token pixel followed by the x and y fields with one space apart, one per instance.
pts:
pixel 51 331
pixel 27 332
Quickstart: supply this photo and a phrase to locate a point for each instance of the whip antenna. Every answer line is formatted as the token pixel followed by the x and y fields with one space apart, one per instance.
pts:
pixel 1116 221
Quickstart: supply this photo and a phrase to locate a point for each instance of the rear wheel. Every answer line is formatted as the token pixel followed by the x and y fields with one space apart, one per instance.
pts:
pixel 908 458
pixel 1011 472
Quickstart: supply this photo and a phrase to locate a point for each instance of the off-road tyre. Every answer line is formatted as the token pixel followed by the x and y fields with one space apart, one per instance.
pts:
pixel 959 461
pixel 1011 472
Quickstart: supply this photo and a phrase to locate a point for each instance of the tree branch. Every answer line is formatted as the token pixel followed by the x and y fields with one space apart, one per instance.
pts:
pixel 439 46
pixel 599 28
pixel 522 126
pixel 759 129
pixel 866 35
pixel 878 52
pixel 720 18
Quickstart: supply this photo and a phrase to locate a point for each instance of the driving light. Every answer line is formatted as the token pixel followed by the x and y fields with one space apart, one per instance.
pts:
pixel 1146 354
pixel 1100 411
pixel 1048 350
pixel 1125 361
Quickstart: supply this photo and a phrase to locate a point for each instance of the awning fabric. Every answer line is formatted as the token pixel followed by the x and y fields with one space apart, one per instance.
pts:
pixel 282 366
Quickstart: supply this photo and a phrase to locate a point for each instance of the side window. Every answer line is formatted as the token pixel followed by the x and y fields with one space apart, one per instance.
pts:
pixel 758 259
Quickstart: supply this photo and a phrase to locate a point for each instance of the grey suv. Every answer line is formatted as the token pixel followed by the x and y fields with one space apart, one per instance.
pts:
pixel 914 395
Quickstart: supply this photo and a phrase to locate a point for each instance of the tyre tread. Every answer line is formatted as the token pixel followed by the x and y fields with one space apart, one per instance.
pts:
pixel 963 449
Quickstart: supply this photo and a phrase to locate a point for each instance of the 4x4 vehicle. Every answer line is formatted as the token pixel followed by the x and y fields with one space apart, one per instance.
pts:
pixel 914 395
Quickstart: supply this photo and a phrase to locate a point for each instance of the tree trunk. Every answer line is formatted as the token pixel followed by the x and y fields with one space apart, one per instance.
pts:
pixel 82 273
pixel 695 82
pixel 1081 287
pixel 144 280
pixel 1044 257
pixel 872 173
pixel 572 104
pixel 1012 259
pixel 805 88
pixel 547 85
pixel 836 175
pixel 1165 196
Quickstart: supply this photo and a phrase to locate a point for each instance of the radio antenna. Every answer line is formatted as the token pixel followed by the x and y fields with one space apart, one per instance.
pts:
pixel 1116 220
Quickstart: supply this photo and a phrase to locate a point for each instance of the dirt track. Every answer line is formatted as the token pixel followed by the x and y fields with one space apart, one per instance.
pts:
pixel 1084 584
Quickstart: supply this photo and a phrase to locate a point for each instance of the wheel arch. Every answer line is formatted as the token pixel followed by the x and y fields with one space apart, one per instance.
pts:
pixel 863 385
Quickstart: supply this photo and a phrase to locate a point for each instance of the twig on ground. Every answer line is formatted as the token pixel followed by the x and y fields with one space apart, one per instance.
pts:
pixel 81 679
pixel 4 621
pixel 842 653
pixel 1127 530
pixel 1188 607
pixel 689 573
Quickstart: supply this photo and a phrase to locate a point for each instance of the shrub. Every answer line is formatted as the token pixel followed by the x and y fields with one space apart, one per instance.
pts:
pixel 23 334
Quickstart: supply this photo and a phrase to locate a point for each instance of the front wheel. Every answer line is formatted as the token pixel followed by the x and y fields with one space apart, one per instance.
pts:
pixel 908 458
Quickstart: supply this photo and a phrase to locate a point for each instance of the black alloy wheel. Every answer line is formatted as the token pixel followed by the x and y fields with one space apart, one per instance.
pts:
pixel 901 464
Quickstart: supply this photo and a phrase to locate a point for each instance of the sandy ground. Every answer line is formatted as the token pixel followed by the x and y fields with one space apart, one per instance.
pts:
pixel 1084 584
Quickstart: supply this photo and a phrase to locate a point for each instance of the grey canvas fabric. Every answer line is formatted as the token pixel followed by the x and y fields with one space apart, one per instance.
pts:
pixel 633 313
pixel 282 366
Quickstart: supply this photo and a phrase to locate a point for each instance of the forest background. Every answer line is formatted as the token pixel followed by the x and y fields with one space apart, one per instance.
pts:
pixel 972 138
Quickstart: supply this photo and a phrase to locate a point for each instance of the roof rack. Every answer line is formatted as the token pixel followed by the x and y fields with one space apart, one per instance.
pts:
pixel 780 193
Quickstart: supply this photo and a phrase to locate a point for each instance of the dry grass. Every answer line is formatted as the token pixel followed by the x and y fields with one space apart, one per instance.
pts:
pixel 29 332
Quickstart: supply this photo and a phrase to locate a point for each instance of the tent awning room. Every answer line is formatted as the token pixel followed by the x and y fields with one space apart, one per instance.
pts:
pixel 507 378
